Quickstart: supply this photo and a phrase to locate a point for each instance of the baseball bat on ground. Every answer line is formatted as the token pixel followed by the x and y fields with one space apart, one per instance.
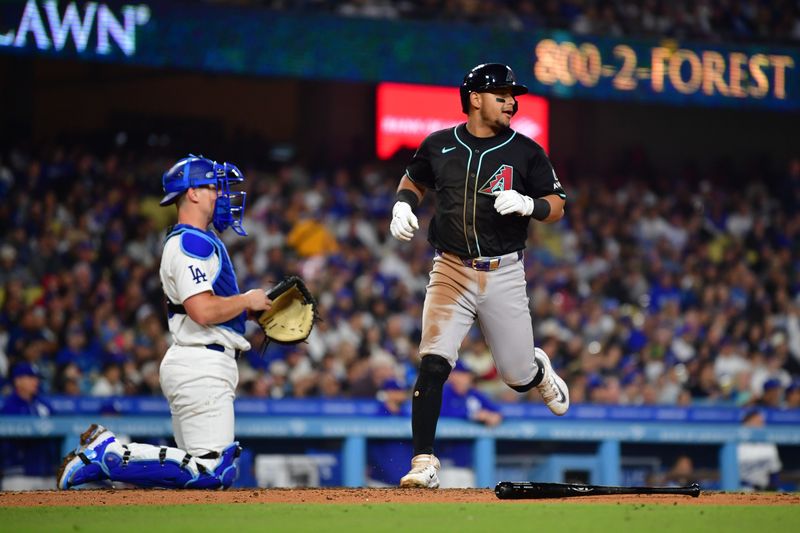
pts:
pixel 530 490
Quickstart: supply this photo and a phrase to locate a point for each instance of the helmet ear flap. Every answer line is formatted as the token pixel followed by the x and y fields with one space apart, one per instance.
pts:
pixel 464 100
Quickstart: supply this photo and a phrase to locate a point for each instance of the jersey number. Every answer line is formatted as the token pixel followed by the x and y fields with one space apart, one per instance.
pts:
pixel 197 274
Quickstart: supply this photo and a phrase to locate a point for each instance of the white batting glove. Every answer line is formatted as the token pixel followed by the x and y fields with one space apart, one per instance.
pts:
pixel 404 222
pixel 507 202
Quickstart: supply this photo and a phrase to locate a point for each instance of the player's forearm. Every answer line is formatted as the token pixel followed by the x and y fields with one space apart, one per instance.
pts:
pixel 556 208
pixel 211 309
pixel 407 187
pixel 490 418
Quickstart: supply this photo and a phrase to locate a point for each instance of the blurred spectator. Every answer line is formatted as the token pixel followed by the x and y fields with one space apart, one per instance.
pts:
pixel 460 399
pixel 596 389
pixel 381 368
pixel 77 352
pixel 69 381
pixel 27 463
pixel 393 396
pixel 110 382
pixel 682 472
pixel 759 462
pixel 793 395
pixel 310 238
pixel 773 394
pixel 705 384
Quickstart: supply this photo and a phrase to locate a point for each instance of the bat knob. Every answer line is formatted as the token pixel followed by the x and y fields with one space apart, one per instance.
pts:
pixel 695 490
pixel 504 490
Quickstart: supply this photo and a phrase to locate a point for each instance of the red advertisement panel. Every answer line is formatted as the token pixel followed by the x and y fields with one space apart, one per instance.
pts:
pixel 407 113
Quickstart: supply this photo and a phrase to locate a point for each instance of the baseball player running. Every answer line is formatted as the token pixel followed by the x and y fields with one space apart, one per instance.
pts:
pixel 198 373
pixel 489 182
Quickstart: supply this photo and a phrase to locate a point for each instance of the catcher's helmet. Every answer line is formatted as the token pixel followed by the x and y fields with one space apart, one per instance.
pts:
pixel 487 77
pixel 195 171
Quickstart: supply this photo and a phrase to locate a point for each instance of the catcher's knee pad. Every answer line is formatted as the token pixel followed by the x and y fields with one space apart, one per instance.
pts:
pixel 433 372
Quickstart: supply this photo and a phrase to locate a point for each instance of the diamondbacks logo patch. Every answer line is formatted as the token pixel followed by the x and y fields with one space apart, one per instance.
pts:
pixel 501 180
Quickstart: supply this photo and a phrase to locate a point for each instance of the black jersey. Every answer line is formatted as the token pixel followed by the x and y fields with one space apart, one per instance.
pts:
pixel 465 171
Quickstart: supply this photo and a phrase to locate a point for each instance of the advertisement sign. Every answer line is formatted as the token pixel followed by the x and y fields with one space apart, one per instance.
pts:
pixel 711 75
pixel 85 27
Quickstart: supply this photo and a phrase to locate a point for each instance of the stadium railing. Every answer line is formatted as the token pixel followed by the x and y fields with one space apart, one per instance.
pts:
pixel 353 422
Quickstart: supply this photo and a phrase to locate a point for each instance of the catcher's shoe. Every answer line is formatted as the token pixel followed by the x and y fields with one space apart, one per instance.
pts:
pixel 227 470
pixel 224 473
pixel 85 463
pixel 424 472
pixel 553 389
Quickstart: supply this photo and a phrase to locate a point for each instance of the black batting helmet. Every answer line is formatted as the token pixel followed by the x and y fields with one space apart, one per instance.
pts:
pixel 487 77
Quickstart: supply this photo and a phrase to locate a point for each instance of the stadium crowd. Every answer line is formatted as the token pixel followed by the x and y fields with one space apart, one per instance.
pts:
pixel 647 292
pixel 706 20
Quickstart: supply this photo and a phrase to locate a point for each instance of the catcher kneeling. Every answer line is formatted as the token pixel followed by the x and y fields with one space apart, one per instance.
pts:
pixel 207 315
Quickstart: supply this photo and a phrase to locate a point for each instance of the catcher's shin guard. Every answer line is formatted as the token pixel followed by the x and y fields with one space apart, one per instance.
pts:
pixel 172 468
pixel 147 466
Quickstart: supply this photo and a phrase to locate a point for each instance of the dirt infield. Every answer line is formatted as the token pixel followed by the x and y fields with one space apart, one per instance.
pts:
pixel 356 496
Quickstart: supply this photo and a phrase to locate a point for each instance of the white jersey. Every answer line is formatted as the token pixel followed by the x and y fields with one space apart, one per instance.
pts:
pixel 757 461
pixel 183 276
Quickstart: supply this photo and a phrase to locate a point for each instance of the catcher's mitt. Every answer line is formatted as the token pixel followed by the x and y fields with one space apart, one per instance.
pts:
pixel 293 312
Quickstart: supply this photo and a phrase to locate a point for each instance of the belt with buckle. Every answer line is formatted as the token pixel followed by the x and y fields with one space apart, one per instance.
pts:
pixel 484 264
pixel 223 349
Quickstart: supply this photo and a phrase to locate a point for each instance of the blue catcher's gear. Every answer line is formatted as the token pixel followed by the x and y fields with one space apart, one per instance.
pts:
pixel 100 458
pixel 229 209
pixel 196 171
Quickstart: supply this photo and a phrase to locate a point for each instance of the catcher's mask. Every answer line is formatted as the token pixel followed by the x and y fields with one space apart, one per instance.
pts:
pixel 195 171
pixel 488 77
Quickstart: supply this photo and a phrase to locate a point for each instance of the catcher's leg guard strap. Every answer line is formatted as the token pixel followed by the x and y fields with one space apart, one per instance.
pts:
pixel 427 401
pixel 535 381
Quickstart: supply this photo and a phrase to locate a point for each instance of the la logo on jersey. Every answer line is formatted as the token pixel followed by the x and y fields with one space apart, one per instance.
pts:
pixel 501 180
pixel 197 274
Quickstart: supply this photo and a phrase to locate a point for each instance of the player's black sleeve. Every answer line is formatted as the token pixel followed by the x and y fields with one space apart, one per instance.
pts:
pixel 420 170
pixel 542 179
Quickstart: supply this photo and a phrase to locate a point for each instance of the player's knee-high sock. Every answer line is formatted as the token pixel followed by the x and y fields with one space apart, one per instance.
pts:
pixel 427 401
